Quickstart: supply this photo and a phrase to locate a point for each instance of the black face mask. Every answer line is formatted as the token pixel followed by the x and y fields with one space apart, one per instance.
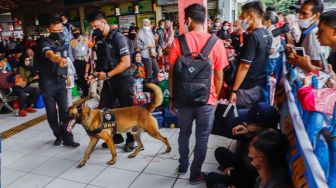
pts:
pixel 76 35
pixel 55 36
pixel 98 33
pixel 132 36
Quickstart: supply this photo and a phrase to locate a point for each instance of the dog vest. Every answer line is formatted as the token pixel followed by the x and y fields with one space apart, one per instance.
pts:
pixel 108 122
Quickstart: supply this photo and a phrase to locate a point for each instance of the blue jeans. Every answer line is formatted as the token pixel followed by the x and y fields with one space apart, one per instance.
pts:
pixel 204 116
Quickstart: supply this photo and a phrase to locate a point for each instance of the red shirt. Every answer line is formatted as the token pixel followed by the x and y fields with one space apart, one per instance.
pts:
pixel 196 42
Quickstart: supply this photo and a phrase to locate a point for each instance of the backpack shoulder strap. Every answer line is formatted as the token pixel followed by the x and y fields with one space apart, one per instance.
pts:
pixel 184 45
pixel 209 45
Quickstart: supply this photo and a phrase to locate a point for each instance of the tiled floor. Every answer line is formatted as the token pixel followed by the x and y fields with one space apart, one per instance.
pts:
pixel 29 160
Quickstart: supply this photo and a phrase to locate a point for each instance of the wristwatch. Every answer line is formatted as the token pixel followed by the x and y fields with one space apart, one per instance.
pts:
pixel 234 91
pixel 107 76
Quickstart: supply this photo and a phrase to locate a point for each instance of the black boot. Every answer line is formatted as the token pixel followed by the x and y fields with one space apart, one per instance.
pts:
pixel 117 139
pixel 129 146
pixel 58 140
pixel 68 138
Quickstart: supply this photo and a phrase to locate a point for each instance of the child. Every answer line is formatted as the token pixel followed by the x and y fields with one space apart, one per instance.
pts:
pixel 139 74
pixel 70 81
pixel 138 68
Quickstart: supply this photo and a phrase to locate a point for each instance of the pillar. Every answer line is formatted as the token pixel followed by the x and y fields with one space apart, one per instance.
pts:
pixel 82 19
pixel 158 13
pixel 182 5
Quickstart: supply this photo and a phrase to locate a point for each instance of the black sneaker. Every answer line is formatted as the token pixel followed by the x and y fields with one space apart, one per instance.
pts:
pixel 181 171
pixel 197 178
pixel 58 141
pixel 129 146
pixel 71 144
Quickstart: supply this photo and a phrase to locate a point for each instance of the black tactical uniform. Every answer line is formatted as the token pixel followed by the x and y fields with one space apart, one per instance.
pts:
pixel 119 88
pixel 52 83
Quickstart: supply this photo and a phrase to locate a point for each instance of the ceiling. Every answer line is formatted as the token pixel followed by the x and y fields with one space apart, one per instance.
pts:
pixel 7 5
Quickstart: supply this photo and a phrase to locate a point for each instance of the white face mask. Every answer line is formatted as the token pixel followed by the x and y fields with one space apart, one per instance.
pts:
pixel 217 24
pixel 244 25
pixel 305 23
pixel 147 28
pixel 226 27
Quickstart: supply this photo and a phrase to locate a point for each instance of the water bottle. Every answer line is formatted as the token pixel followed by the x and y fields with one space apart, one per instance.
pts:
pixel 314 82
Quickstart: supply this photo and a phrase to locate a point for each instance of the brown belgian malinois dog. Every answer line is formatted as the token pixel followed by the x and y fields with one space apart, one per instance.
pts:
pixel 130 119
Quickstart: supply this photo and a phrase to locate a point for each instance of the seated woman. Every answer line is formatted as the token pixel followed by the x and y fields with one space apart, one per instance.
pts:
pixel 267 154
pixel 236 165
pixel 138 71
pixel 27 72
pixel 26 95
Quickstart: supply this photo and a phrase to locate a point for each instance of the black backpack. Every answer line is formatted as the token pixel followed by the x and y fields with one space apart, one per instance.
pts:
pixel 192 74
pixel 38 55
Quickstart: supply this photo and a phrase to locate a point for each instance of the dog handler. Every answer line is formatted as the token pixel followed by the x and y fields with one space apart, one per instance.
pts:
pixel 113 66
pixel 52 82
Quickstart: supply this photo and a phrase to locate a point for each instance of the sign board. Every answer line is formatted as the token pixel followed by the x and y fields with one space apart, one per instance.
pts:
pixel 126 21
pixel 304 166
pixel 166 2
pixel 145 6
pixel 126 8
pixel 150 16
pixel 108 10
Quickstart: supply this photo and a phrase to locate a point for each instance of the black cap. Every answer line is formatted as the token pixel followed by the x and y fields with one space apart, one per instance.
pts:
pixel 264 115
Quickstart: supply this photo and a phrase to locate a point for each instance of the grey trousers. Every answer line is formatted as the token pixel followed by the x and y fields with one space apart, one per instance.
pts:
pixel 246 98
pixel 204 117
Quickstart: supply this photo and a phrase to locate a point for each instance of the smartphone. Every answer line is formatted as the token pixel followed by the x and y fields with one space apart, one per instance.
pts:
pixel 300 51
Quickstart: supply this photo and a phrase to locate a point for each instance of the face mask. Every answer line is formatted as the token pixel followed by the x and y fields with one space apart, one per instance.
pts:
pixel 147 28
pixel 98 33
pixel 226 27
pixel 132 36
pixel 305 23
pixel 76 35
pixel 55 36
pixel 27 63
pixel 245 25
pixel 186 27
pixel 217 24
pixel 65 21
pixel 162 26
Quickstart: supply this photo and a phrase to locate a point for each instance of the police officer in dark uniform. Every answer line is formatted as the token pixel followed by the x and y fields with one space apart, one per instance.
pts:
pixel 113 66
pixel 52 82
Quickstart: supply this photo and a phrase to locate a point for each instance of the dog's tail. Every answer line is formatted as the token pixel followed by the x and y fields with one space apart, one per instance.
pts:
pixel 158 96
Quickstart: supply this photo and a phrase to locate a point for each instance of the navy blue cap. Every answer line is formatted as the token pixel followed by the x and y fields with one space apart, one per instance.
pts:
pixel 263 115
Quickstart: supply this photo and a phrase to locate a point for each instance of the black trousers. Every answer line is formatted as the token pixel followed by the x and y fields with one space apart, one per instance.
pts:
pixel 27 96
pixel 242 168
pixel 80 71
pixel 119 89
pixel 152 68
pixel 54 93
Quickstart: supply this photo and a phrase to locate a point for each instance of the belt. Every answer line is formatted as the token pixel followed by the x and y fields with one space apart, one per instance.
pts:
pixel 82 58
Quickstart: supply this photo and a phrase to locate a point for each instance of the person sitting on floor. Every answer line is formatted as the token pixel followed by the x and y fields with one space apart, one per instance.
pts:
pixel 26 95
pixel 236 165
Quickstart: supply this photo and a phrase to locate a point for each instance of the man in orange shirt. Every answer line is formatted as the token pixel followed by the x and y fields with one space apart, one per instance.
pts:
pixel 196 38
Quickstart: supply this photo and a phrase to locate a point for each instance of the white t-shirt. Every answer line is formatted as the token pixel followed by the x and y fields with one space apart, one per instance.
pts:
pixel 313 47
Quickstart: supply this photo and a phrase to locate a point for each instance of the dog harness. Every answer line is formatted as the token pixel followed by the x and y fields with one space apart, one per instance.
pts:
pixel 108 122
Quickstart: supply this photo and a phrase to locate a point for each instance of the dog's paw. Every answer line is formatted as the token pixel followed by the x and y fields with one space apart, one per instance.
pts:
pixel 132 155
pixel 111 162
pixel 80 165
pixel 168 150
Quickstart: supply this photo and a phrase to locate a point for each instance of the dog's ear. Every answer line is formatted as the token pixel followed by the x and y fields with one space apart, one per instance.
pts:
pixel 80 104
